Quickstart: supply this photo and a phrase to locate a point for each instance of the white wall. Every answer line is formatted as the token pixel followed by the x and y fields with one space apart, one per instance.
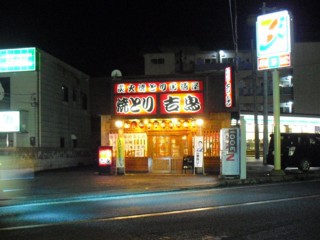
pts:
pixel 306 78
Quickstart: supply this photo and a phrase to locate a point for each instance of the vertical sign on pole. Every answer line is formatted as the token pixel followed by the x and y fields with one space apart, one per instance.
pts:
pixel 273 52
pixel 228 91
pixel 273 40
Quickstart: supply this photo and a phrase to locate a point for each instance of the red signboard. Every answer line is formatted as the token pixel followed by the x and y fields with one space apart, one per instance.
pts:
pixel 105 156
pixel 135 104
pixel 159 87
pixel 181 103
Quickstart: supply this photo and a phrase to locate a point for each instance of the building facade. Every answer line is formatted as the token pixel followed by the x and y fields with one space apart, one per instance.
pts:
pixel 155 120
pixel 52 103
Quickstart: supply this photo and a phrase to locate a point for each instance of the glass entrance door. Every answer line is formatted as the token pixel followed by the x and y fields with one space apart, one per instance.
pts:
pixel 167 153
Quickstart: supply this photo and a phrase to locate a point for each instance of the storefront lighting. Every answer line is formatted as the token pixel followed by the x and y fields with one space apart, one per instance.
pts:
pixel 199 122
pixel 185 124
pixel 156 124
pixel 141 124
pixel 133 125
pixel 119 124
pixel 126 125
pixel 163 124
pixel 174 121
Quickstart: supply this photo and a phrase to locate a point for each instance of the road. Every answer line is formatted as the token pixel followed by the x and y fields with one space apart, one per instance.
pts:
pixel 271 211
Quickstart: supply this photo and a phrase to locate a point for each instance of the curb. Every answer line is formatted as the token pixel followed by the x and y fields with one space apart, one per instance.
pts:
pixel 268 179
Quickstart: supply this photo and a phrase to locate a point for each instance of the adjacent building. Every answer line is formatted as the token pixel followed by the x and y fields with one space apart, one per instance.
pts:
pixel 44 110
pixel 299 104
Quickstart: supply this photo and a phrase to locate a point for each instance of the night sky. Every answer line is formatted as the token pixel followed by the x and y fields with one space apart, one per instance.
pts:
pixel 98 36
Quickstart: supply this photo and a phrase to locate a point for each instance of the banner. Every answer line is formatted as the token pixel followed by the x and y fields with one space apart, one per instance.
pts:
pixel 120 152
pixel 198 151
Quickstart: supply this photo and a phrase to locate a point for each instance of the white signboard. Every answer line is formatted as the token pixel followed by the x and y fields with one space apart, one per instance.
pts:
pixel 198 151
pixel 230 151
pixel 9 121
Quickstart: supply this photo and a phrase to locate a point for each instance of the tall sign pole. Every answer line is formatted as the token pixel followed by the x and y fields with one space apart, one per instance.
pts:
pixel 274 52
pixel 265 107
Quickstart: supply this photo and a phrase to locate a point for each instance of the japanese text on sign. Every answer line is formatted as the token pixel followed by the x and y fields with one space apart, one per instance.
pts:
pixel 158 87
pixel 135 104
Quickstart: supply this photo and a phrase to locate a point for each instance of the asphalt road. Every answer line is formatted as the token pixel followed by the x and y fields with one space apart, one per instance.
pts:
pixel 289 210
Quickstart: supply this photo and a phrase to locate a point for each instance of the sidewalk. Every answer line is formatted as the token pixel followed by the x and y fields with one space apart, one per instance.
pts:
pixel 85 182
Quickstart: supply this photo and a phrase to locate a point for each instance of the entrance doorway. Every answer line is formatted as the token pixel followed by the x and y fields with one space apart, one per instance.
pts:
pixel 167 152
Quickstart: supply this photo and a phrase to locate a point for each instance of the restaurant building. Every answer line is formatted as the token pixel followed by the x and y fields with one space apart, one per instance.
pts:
pixel 157 121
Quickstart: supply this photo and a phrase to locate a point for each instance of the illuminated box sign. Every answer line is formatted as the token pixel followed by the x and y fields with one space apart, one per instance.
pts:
pixel 105 156
pixel 159 87
pixel 228 93
pixel 145 98
pixel 9 121
pixel 182 103
pixel 135 104
pixel 17 60
pixel 273 40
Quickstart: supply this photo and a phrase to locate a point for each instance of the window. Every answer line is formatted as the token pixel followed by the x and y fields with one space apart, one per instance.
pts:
pixel 74 143
pixel 75 95
pixel 157 60
pixel 227 60
pixel 210 60
pixel 84 101
pixel 62 142
pixel 65 95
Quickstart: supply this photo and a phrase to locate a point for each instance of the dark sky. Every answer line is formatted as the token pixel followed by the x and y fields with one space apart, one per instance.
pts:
pixel 100 35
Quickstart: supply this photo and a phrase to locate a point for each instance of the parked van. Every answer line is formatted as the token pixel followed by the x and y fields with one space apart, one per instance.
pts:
pixel 301 150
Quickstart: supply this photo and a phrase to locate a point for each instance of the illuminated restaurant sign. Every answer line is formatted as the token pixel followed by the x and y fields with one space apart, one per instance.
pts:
pixel 105 156
pixel 170 97
pixel 159 87
pixel 136 104
pixel 183 103
pixel 228 93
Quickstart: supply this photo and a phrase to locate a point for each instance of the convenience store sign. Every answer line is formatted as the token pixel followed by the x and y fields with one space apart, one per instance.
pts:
pixel 18 59
pixel 273 40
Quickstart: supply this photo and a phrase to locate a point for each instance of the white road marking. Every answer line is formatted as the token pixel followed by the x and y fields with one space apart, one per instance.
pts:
pixel 147 215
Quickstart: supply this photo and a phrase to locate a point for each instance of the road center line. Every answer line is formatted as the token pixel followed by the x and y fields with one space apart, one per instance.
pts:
pixel 146 215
